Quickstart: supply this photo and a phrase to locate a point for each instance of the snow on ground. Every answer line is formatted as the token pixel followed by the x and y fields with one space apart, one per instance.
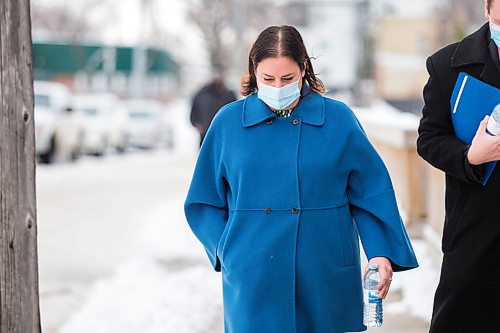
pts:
pixel 417 286
pixel 186 137
pixel 167 235
pixel 169 287
pixel 383 115
pixel 146 296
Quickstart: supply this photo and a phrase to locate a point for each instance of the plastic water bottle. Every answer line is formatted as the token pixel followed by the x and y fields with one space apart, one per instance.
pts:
pixel 493 126
pixel 372 307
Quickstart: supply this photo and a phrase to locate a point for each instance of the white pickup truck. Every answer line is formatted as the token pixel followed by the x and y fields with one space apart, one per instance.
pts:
pixel 104 121
pixel 58 131
pixel 149 125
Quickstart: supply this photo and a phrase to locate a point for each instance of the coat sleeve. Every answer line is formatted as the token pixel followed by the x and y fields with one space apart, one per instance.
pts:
pixel 437 143
pixel 194 116
pixel 373 205
pixel 206 207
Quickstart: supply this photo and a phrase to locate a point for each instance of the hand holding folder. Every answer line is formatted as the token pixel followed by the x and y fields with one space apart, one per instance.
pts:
pixel 470 102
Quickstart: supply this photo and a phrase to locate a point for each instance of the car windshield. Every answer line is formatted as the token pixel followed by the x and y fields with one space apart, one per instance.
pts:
pixel 42 100
pixel 139 114
pixel 90 111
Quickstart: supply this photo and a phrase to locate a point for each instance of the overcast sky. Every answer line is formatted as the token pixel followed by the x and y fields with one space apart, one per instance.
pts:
pixel 121 19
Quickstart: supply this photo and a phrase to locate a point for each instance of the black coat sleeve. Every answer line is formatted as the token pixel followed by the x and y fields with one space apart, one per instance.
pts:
pixel 437 143
pixel 195 116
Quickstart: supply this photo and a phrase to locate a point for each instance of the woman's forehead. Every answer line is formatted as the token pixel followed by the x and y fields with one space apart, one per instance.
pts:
pixel 277 65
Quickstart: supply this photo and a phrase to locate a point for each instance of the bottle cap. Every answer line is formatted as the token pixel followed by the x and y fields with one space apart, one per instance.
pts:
pixel 373 267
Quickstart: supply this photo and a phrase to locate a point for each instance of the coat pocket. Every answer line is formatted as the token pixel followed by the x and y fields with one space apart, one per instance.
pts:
pixel 345 224
pixel 452 222
pixel 222 242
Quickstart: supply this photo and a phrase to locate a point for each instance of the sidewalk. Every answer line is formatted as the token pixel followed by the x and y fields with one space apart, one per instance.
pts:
pixel 392 324
pixel 401 324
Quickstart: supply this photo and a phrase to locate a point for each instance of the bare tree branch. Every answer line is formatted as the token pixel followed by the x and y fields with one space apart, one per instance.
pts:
pixel 59 22
pixel 216 19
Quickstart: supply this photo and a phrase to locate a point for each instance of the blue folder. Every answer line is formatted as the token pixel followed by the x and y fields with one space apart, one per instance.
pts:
pixel 470 102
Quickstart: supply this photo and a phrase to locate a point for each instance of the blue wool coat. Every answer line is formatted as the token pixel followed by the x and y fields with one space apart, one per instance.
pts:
pixel 279 204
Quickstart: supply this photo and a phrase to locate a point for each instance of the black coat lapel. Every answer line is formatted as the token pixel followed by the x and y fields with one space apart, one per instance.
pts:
pixel 490 74
pixel 491 70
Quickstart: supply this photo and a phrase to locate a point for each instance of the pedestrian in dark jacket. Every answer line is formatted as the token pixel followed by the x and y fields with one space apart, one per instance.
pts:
pixel 467 297
pixel 285 185
pixel 207 102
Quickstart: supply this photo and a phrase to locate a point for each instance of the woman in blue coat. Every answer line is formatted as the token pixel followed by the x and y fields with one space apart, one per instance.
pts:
pixel 285 184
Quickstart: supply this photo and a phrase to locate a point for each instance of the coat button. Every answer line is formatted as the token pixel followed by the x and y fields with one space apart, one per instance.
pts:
pixel 295 121
pixel 267 210
pixel 295 210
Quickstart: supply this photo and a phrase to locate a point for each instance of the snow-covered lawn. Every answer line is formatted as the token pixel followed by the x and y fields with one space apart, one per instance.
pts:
pixel 417 286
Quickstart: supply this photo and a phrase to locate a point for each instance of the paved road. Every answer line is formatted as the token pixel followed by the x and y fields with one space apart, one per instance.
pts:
pixel 401 324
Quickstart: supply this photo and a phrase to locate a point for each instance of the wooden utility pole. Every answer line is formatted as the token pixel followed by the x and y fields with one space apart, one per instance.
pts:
pixel 19 302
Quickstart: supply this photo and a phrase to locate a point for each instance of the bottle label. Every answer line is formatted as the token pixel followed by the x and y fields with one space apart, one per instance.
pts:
pixel 493 127
pixel 373 297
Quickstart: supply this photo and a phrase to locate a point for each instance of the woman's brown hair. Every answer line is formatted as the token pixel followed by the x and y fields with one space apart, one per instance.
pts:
pixel 276 41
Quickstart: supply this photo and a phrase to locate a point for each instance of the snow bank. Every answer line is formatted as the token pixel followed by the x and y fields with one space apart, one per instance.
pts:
pixel 417 286
pixel 145 296
pixel 169 287
pixel 388 125
pixel 384 115
pixel 167 236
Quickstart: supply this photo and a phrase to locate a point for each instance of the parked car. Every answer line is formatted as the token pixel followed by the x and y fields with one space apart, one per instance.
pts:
pixel 57 128
pixel 104 122
pixel 145 123
pixel 167 137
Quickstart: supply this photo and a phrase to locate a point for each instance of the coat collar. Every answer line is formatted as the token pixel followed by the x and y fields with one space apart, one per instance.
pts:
pixel 473 49
pixel 310 110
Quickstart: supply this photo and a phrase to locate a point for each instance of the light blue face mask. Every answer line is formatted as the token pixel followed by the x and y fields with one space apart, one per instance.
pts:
pixel 278 98
pixel 495 33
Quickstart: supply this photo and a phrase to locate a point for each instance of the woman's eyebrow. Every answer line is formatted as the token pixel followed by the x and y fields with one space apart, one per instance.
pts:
pixel 290 74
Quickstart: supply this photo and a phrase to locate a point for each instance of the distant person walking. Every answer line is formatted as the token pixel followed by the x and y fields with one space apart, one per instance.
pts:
pixel 468 293
pixel 207 101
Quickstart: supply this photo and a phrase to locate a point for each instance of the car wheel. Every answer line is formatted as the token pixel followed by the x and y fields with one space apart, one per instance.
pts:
pixel 77 152
pixel 48 156
pixel 170 140
pixel 120 149
pixel 103 147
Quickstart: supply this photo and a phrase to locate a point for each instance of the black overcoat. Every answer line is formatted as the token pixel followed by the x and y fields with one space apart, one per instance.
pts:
pixel 207 102
pixel 468 295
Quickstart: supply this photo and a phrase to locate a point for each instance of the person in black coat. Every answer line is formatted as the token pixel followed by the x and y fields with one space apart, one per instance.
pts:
pixel 468 295
pixel 207 101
